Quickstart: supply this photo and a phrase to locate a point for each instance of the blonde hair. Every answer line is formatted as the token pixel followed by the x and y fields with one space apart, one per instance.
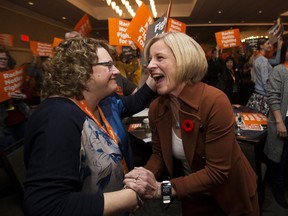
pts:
pixel 190 57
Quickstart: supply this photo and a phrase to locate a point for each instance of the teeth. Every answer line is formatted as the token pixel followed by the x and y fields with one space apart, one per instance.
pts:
pixel 156 76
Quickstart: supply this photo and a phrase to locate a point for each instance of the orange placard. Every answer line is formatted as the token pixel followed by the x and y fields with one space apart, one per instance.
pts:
pixel 6 40
pixel 227 39
pixel 254 119
pixel 139 26
pixel 10 81
pixel 83 26
pixel 118 35
pixel 41 49
pixel 175 25
pixel 56 41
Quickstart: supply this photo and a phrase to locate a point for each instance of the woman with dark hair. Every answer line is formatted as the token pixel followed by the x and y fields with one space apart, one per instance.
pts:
pixel 232 79
pixel 14 111
pixel 276 147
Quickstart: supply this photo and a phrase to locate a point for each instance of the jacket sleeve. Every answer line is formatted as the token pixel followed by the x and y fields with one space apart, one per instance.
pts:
pixel 274 89
pixel 137 102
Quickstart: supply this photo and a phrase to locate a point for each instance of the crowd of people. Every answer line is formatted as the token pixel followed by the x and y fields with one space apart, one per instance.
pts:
pixel 77 152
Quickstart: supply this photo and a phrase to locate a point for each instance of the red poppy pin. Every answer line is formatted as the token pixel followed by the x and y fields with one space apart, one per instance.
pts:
pixel 187 125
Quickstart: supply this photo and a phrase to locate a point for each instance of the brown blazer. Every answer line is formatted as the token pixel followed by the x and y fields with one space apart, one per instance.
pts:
pixel 218 164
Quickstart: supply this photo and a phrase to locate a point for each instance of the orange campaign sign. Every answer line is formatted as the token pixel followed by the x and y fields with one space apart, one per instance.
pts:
pixel 118 32
pixel 227 39
pixel 6 40
pixel 175 25
pixel 41 49
pixel 254 118
pixel 139 26
pixel 56 41
pixel 10 81
pixel 83 26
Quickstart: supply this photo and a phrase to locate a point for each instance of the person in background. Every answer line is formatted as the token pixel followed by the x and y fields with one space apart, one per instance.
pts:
pixel 232 79
pixel 5 139
pixel 74 161
pixel 262 69
pixel 125 86
pixel 36 70
pixel 14 111
pixel 215 70
pixel 72 34
pixel 126 66
pixel 276 147
pixel 188 128
pixel 277 58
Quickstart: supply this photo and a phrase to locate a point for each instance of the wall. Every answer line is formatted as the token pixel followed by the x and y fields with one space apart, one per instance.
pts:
pixel 16 23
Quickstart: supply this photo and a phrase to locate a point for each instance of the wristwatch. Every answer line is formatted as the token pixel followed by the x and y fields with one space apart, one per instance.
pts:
pixel 166 191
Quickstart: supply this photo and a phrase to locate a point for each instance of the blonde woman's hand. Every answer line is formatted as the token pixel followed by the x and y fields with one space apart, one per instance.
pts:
pixel 143 182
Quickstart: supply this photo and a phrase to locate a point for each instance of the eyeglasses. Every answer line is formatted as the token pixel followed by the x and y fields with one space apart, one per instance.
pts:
pixel 3 59
pixel 108 64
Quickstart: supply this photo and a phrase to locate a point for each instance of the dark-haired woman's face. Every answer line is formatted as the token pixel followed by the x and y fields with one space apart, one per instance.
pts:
pixel 229 64
pixel 3 61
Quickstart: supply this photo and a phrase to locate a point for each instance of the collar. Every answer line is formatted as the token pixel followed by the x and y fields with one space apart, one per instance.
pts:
pixel 190 95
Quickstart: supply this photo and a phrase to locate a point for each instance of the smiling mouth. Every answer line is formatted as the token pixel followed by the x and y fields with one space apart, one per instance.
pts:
pixel 157 77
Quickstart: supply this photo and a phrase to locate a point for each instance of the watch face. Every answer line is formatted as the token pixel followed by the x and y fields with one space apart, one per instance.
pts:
pixel 166 191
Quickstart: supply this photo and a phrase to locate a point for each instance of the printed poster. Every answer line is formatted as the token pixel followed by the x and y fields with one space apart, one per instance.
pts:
pixel 11 81
pixel 175 25
pixel 227 39
pixel 7 40
pixel 276 31
pixel 139 26
pixel 40 49
pixel 83 26
pixel 118 35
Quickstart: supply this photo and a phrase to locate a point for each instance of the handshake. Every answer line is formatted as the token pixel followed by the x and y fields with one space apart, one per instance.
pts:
pixel 143 182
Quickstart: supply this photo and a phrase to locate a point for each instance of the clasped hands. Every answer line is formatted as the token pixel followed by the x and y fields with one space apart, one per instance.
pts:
pixel 143 182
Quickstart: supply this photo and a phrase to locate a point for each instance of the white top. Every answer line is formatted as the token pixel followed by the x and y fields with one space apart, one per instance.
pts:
pixel 178 152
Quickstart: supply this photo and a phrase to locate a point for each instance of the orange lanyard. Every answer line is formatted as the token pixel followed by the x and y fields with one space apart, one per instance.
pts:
pixel 109 130
pixel 233 75
pixel 286 64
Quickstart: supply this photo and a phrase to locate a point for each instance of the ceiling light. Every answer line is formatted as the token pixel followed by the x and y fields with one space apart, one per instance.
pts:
pixel 138 2
pixel 113 5
pixel 108 2
pixel 219 12
pixel 31 3
pixel 64 18
pixel 260 12
pixel 210 22
pixel 153 8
